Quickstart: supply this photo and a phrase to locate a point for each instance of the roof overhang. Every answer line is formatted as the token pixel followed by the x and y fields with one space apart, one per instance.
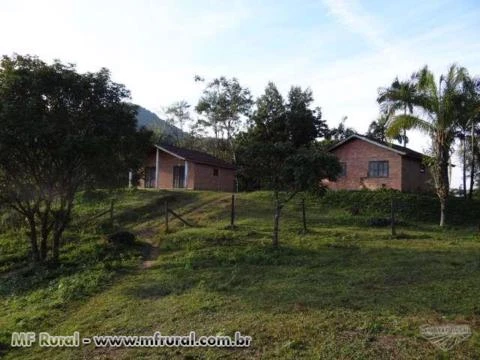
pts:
pixel 169 152
pixel 359 137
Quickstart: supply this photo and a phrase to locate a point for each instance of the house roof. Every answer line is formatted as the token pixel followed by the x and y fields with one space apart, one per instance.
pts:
pixel 194 156
pixel 403 151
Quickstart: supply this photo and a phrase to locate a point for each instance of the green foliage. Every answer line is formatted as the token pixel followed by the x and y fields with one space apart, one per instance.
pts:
pixel 439 118
pixel 277 151
pixel 408 206
pixel 60 131
pixel 223 103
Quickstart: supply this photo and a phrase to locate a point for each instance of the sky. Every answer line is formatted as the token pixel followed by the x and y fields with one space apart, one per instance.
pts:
pixel 344 50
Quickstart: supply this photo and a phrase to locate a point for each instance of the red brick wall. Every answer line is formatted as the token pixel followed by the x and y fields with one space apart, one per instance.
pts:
pixel 356 154
pixel 200 177
pixel 413 179
pixel 205 180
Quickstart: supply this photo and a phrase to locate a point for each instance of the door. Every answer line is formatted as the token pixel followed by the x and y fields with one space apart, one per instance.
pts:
pixel 150 177
pixel 178 177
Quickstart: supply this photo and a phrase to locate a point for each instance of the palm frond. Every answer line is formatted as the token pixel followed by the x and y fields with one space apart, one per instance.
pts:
pixel 400 122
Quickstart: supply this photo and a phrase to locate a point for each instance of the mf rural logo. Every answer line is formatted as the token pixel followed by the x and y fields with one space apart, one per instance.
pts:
pixel 445 337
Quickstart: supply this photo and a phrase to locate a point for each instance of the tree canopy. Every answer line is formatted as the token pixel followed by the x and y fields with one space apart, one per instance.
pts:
pixel 277 150
pixel 438 108
pixel 61 131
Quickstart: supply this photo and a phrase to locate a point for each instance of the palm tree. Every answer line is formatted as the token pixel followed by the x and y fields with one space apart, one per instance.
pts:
pixel 377 130
pixel 437 115
pixel 400 95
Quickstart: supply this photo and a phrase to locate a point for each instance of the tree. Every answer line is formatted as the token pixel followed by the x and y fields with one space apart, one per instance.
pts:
pixel 277 150
pixel 377 130
pixel 467 104
pixel 61 131
pixel 437 116
pixel 223 103
pixel 341 132
pixel 178 115
pixel 304 124
pixel 399 96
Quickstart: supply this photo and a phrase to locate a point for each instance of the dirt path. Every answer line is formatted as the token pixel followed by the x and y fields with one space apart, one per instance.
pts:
pixel 150 234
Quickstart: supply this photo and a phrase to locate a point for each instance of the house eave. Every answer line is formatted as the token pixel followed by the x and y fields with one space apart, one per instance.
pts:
pixel 170 152
pixel 358 137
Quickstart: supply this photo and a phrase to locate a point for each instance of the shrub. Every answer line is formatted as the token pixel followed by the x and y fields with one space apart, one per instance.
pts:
pixel 408 206
pixel 122 238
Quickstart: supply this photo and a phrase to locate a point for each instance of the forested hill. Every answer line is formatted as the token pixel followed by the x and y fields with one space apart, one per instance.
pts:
pixel 150 120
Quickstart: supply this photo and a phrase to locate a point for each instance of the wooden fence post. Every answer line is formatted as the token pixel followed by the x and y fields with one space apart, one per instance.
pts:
pixel 166 216
pixel 232 213
pixel 304 216
pixel 111 213
pixel 392 216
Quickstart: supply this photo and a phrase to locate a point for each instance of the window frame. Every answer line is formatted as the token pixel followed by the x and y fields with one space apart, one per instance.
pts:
pixel 379 172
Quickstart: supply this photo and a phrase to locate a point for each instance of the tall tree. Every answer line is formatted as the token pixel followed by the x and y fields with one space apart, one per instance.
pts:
pixel 377 130
pixel 468 115
pixel 399 96
pixel 277 150
pixel 341 132
pixel 437 116
pixel 223 103
pixel 61 131
pixel 178 114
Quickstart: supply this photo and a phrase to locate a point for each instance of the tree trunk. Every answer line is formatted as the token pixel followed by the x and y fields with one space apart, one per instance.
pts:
pixel 33 239
pixel 44 230
pixel 56 248
pixel 392 216
pixel 442 211
pixel 472 165
pixel 464 141
pixel 62 223
pixel 442 183
pixel 276 221
pixel 304 217
pixel 43 247
pixel 472 177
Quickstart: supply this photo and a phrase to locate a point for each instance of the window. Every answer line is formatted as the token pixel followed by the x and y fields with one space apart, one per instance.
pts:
pixel 343 173
pixel 378 169
pixel 215 172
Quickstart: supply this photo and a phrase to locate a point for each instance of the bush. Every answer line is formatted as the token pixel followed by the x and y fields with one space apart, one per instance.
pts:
pixel 408 206
pixel 122 238
pixel 10 219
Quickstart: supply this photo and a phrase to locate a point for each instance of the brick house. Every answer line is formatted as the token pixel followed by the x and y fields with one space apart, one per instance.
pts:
pixel 171 167
pixel 372 164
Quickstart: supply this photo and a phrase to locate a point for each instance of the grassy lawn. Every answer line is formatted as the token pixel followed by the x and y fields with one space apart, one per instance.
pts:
pixel 343 290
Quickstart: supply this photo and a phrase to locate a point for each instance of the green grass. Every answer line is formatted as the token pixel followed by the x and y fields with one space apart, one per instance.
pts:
pixel 343 290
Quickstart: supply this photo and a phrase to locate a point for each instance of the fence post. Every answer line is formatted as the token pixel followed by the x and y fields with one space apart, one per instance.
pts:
pixel 111 213
pixel 304 216
pixel 232 213
pixel 392 216
pixel 166 216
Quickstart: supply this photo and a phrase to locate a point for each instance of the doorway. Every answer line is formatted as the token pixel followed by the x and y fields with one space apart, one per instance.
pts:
pixel 178 177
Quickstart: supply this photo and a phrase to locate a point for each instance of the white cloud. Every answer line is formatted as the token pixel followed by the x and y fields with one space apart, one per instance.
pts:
pixel 351 14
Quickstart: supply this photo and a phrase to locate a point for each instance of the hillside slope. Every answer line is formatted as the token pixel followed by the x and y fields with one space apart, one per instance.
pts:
pixel 343 290
pixel 151 121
